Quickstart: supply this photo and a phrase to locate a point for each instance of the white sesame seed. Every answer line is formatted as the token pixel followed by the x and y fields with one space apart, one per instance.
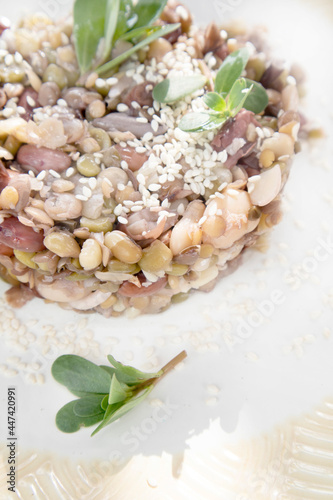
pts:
pixel 141 150
pixel 136 208
pixel 31 173
pixel 31 101
pixel 100 83
pixel 121 187
pixel 54 174
pixel 122 220
pixel 118 210
pixel 7 112
pixel 110 81
pixel 41 176
pixel 142 119
pixel 81 197
pixel 70 171
pixel 20 110
pixel 62 103
pixel 124 165
pixel 122 108
pixel 154 187
pixel 154 125
pixel 9 59
pixel 86 192
pixel 92 183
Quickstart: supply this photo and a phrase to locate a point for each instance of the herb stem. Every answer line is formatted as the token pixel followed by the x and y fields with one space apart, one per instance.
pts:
pixel 166 369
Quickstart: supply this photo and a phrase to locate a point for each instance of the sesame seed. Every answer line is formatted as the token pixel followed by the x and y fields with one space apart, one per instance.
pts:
pixel 54 174
pixel 122 108
pixel 154 125
pixel 154 187
pixel 7 112
pixel 100 83
pixel 86 192
pixel 122 220
pixel 136 208
pixel 81 197
pixel 62 103
pixel 69 172
pixel 124 165
pixel 41 176
pixel 9 59
pixel 110 81
pixel 142 119
pixel 119 208
pixel 121 187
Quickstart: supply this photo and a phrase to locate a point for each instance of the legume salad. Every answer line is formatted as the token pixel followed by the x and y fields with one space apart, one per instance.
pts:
pixel 105 203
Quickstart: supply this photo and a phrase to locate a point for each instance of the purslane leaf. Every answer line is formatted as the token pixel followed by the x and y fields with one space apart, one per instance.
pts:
pixel 172 89
pixel 111 17
pixel 257 100
pixel 148 11
pixel 214 101
pixel 124 408
pixel 89 406
pixel 129 375
pixel 118 391
pixel 238 95
pixel 88 29
pixel 137 33
pixel 127 18
pixel 199 122
pixel 231 69
pixel 79 374
pixel 67 421
pixel 162 31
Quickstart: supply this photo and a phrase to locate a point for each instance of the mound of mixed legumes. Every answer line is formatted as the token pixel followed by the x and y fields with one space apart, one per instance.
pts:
pixel 105 203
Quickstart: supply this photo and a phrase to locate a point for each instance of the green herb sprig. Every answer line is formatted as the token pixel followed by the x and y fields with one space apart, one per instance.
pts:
pixel 105 392
pixel 231 94
pixel 99 24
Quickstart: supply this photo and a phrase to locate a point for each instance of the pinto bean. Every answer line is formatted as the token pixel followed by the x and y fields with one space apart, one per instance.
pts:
pixel 128 289
pixel 48 94
pixel 15 235
pixel 37 159
pixel 133 159
pixel 63 206
pixel 28 101
pixel 5 250
pixel 123 123
pixel 140 94
pixel 4 177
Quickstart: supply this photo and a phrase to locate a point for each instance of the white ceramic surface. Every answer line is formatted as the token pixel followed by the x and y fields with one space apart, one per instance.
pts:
pixel 241 378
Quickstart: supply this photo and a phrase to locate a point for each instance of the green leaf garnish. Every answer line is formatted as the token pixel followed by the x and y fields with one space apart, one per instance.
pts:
pixel 99 24
pixel 67 421
pixel 162 31
pixel 214 101
pixel 88 30
pixel 232 93
pixel 257 100
pixel 231 70
pixel 198 122
pixel 107 392
pixel 238 95
pixel 112 12
pixel 174 89
pixel 79 374
pixel 88 406
pixel 118 391
pixel 148 11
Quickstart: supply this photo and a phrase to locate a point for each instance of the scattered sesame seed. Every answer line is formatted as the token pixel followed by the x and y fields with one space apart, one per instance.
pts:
pixel 124 165
pixel 54 174
pixel 62 103
pixel 7 112
pixel 69 172
pixel 110 81
pixel 81 197
pixel 142 119
pixel 41 176
pixel 122 220
pixel 122 108
pixel 86 192
pixel 100 83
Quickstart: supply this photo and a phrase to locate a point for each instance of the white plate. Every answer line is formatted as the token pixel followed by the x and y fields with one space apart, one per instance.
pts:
pixel 230 423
